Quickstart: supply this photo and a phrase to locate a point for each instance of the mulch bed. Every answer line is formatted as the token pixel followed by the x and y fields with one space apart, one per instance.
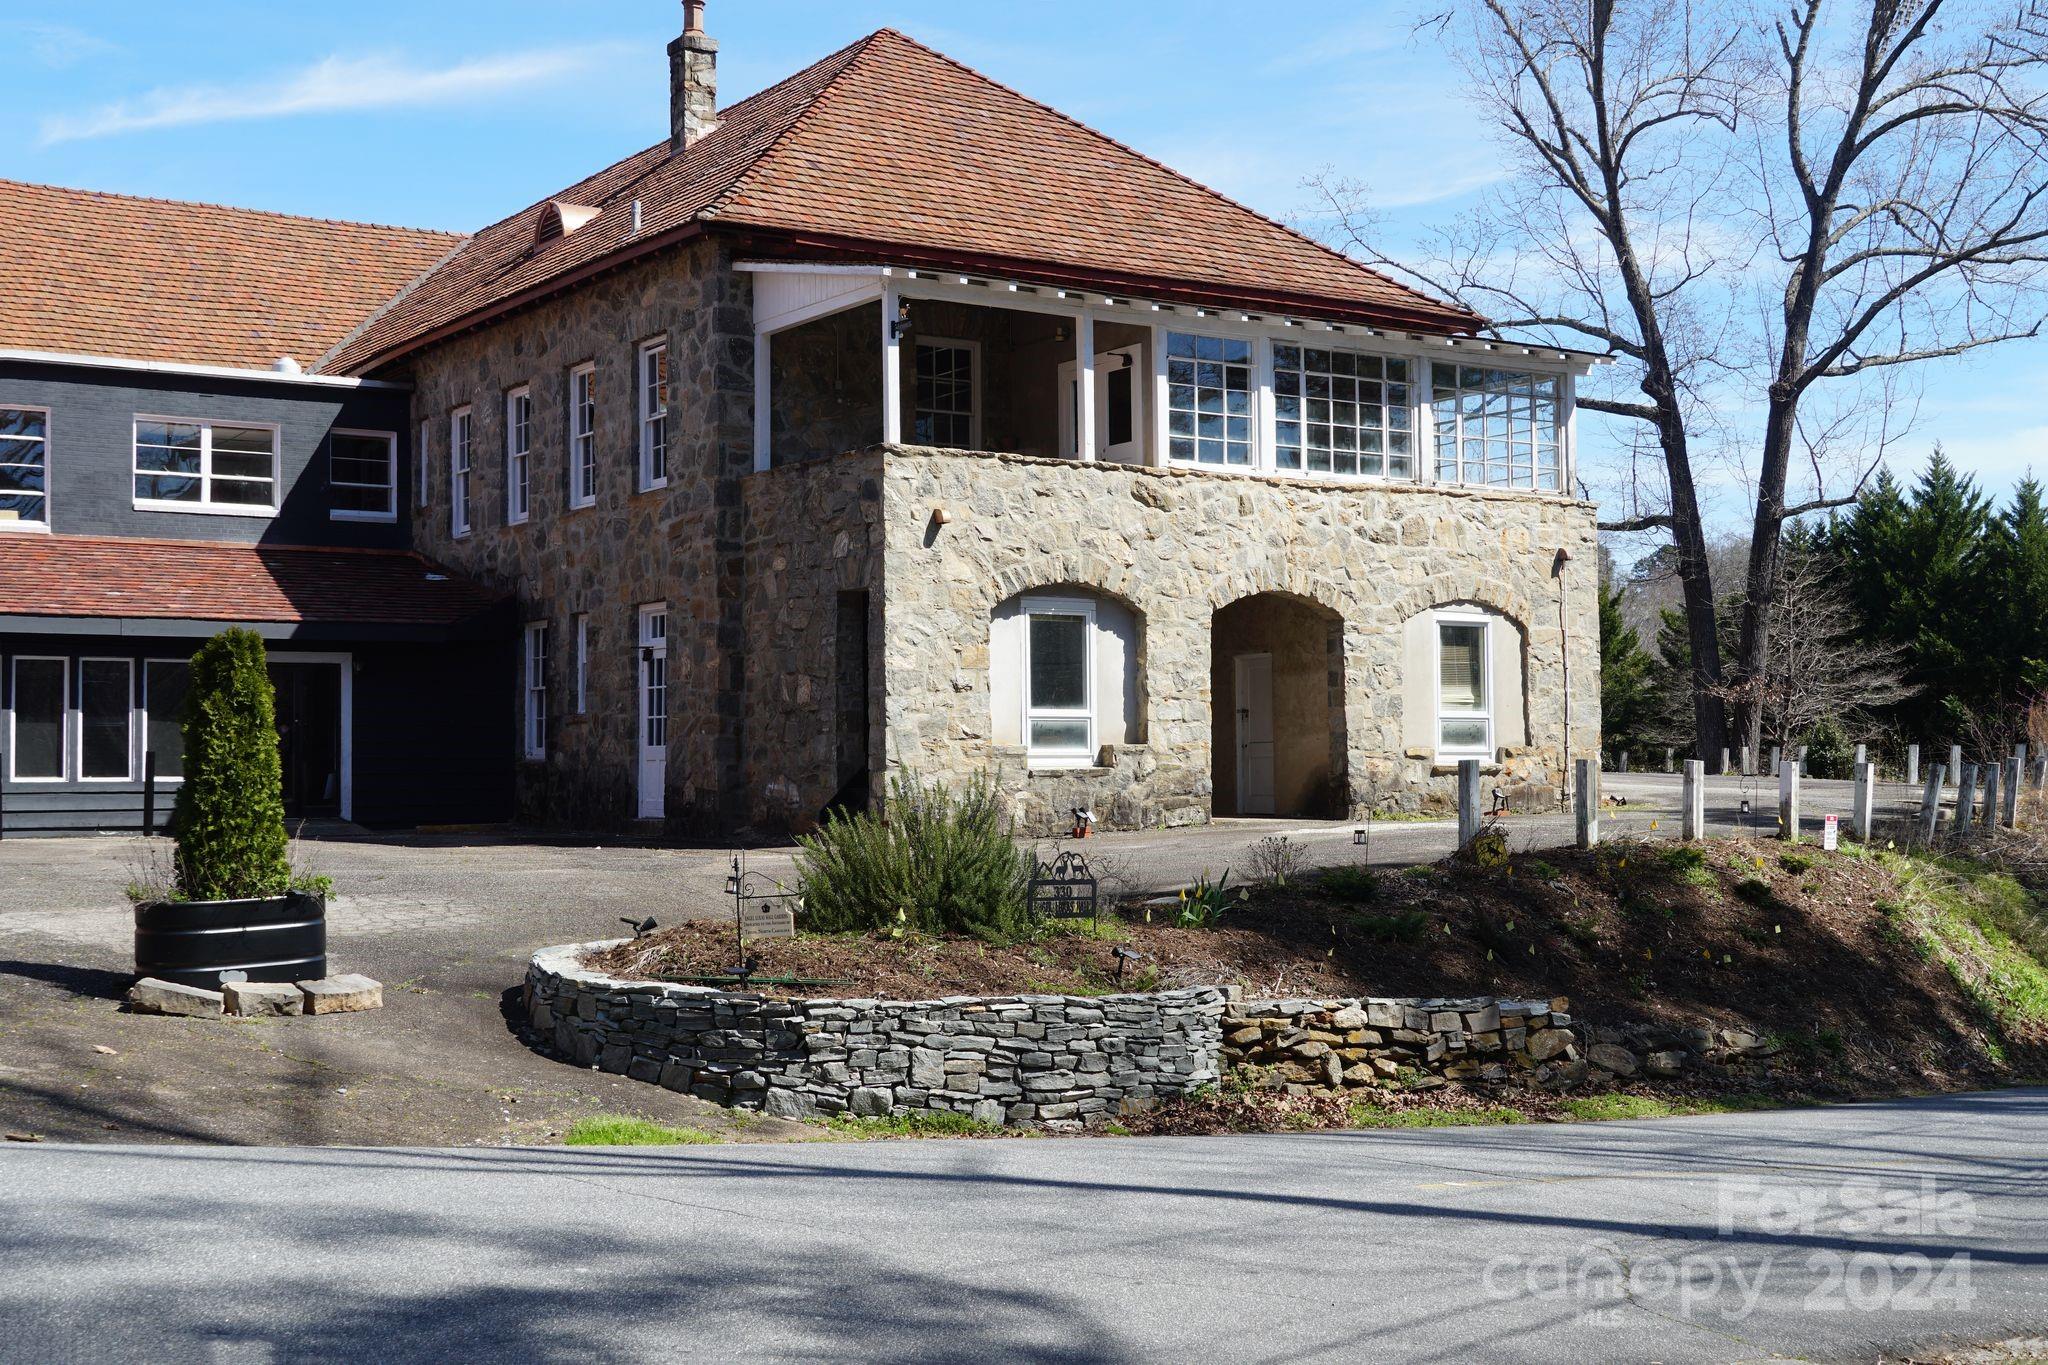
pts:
pixel 1758 937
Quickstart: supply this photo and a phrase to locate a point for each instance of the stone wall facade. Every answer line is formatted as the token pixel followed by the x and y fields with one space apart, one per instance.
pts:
pixel 780 699
pixel 1175 547
pixel 1054 1061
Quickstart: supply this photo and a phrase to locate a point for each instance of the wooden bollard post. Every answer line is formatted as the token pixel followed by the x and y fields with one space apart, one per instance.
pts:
pixel 1862 757
pixel 1955 765
pixel 1993 804
pixel 1788 802
pixel 1586 810
pixel 1966 800
pixel 1468 802
pixel 2009 815
pixel 1930 803
pixel 1777 757
pixel 1668 752
pixel 1692 812
pixel 1912 765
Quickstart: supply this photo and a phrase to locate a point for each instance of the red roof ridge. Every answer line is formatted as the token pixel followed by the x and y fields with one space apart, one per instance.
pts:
pixel 7 181
pixel 1101 136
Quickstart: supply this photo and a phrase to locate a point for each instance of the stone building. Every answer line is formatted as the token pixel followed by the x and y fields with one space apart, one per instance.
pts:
pixel 888 420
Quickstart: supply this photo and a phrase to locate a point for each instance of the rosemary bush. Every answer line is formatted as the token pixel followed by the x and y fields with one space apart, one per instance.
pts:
pixel 933 861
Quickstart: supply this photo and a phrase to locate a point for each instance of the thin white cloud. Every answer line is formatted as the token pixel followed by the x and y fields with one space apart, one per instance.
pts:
pixel 332 85
pixel 58 45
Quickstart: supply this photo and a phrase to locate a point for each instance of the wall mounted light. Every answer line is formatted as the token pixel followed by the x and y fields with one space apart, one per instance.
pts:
pixel 902 323
pixel 941 517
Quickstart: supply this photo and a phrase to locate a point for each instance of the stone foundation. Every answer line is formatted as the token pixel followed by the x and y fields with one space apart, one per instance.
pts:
pixel 1053 1061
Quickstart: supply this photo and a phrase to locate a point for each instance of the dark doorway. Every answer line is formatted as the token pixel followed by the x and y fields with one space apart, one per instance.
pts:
pixel 850 718
pixel 309 737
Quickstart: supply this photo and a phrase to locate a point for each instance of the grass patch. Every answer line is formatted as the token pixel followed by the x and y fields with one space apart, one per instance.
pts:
pixel 1687 864
pixel 1798 864
pixel 1988 930
pixel 1105 927
pixel 1602 1108
pixel 919 1124
pixel 619 1130
pixel 1366 1115
pixel 1540 870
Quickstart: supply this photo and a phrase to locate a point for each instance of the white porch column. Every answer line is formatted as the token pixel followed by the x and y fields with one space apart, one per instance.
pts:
pixel 764 440
pixel 1160 457
pixel 1084 385
pixel 892 369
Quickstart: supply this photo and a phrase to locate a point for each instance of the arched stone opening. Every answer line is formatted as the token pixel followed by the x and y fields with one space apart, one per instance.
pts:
pixel 1278 745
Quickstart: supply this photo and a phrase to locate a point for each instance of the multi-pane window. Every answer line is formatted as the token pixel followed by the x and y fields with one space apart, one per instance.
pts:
pixel 1341 412
pixel 106 695
pixel 653 415
pixel 1496 427
pixel 24 468
pixel 518 455
pixel 164 685
pixel 362 476
pixel 1464 717
pixel 943 414
pixel 654 676
pixel 1059 713
pixel 458 472
pixel 1209 399
pixel 583 436
pixel 535 729
pixel 39 709
pixel 182 465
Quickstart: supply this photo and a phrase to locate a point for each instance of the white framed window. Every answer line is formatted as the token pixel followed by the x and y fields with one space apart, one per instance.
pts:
pixel 654 676
pixel 423 464
pixel 24 469
pixel 164 685
pixel 583 435
pixel 458 472
pixel 39 711
pixel 534 731
pixel 1346 413
pixel 1059 681
pixel 582 663
pixel 947 410
pixel 1464 685
pixel 106 720
pixel 518 455
pixel 183 465
pixel 653 401
pixel 362 475
pixel 1209 400
pixel 1500 428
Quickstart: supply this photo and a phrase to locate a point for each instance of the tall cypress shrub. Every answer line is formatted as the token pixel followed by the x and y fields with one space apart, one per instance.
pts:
pixel 229 816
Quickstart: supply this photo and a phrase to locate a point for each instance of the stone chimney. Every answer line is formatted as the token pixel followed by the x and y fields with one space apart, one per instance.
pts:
pixel 692 81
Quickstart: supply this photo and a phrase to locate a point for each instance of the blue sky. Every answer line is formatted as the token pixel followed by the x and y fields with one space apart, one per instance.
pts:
pixel 452 113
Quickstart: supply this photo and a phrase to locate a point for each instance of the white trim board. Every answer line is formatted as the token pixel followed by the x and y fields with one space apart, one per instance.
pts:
pixel 113 362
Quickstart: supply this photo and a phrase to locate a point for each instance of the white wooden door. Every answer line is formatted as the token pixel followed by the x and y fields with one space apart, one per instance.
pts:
pixel 1254 699
pixel 1119 407
pixel 653 646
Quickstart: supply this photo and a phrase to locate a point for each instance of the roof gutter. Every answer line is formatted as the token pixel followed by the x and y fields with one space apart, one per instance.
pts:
pixel 112 362
pixel 549 288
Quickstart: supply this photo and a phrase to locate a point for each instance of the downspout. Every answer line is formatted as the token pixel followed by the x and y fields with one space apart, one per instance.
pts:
pixel 1564 641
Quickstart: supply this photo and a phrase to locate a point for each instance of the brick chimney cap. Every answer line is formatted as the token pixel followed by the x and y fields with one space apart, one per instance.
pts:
pixel 693 16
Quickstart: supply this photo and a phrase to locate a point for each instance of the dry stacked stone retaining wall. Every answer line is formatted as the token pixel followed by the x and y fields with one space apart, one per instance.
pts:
pixel 1051 1060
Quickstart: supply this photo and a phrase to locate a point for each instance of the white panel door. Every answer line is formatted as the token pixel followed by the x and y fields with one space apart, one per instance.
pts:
pixel 1254 698
pixel 1119 407
pixel 653 712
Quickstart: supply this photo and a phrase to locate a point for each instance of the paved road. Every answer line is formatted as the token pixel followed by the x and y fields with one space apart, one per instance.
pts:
pixel 1451 1245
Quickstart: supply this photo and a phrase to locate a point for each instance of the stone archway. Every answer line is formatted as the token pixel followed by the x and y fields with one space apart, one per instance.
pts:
pixel 1277 722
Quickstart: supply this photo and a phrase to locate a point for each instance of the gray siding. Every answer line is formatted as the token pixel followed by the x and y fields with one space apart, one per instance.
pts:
pixel 92 432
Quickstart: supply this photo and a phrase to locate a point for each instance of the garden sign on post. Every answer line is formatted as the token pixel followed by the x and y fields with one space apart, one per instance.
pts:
pixel 1063 888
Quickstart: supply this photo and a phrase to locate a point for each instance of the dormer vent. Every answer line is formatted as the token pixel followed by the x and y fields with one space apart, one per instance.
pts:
pixel 558 219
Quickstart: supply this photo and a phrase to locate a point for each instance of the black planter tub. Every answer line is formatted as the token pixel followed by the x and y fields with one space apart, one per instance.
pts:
pixel 274 938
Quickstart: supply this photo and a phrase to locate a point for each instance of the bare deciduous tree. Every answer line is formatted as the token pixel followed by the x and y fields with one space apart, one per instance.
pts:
pixel 1770 207
pixel 1902 181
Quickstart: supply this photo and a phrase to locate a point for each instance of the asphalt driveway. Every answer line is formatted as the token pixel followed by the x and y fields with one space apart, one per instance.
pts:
pixel 1820 1234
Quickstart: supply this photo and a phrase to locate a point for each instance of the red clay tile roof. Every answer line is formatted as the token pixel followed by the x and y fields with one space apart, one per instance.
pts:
pixel 87 273
pixel 889 149
pixel 105 576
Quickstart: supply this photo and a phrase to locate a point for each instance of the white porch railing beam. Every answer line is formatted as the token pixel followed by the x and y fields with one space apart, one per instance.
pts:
pixel 892 369
pixel 1084 384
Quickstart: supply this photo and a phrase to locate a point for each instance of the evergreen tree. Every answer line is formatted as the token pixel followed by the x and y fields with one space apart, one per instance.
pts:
pixel 229 816
pixel 1628 694
pixel 2014 601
